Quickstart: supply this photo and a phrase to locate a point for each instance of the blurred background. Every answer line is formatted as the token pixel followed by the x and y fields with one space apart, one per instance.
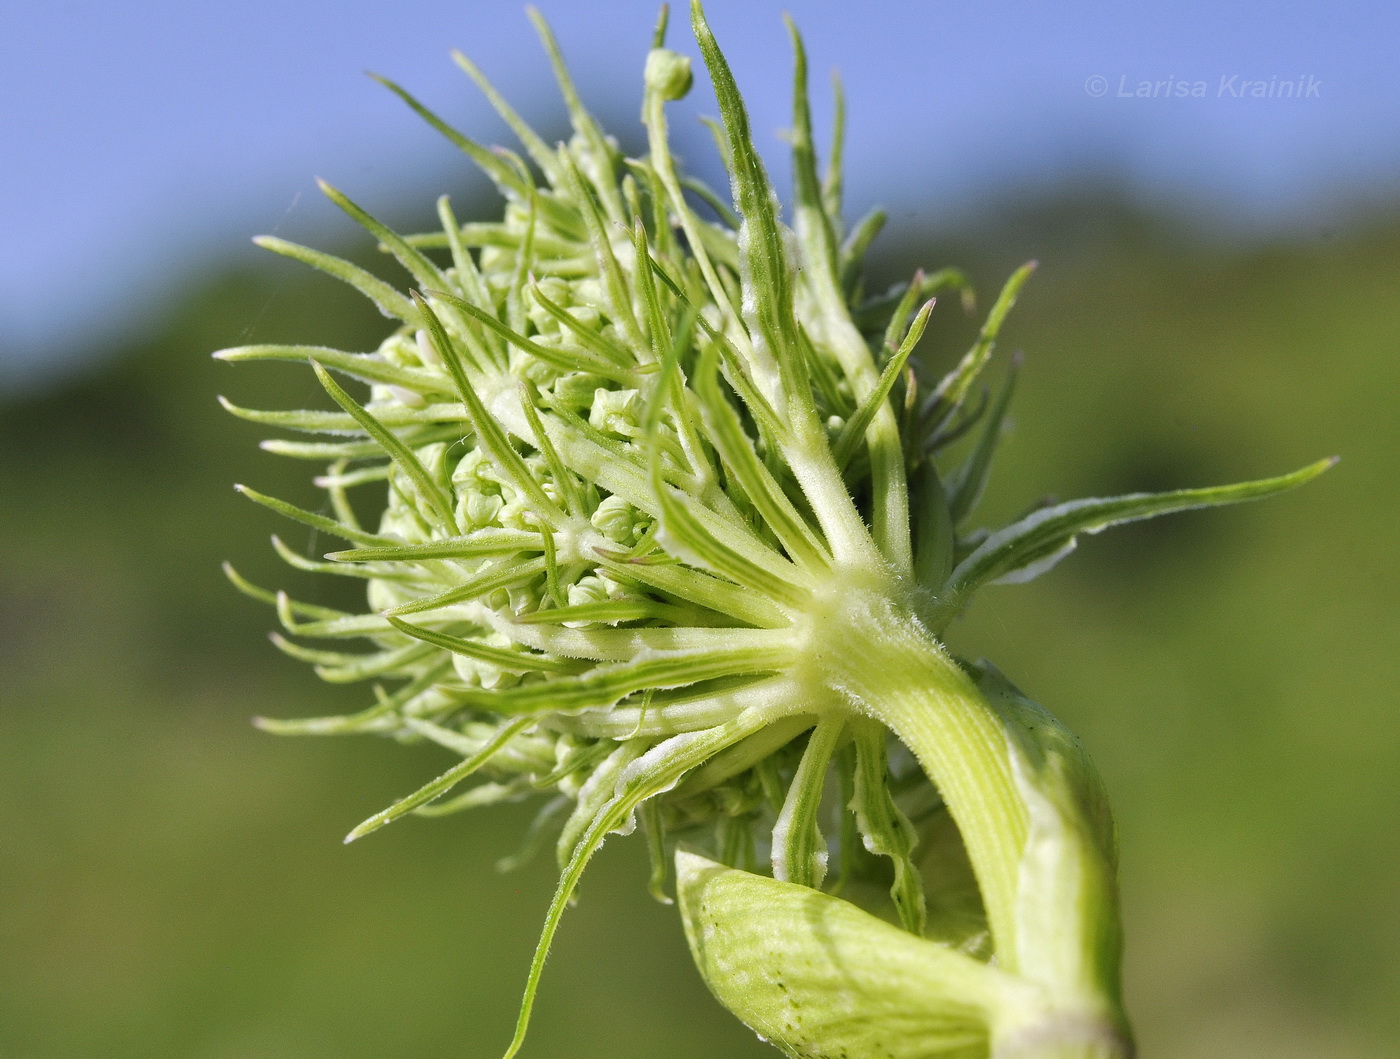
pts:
pixel 1217 299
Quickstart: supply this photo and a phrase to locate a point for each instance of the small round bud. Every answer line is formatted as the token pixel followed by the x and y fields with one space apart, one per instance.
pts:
pixel 615 519
pixel 668 74
pixel 616 412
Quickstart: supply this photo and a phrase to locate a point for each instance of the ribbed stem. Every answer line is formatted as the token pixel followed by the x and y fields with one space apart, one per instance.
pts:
pixel 890 667
pixel 1064 1037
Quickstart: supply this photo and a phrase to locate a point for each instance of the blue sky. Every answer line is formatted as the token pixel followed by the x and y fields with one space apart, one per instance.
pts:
pixel 140 139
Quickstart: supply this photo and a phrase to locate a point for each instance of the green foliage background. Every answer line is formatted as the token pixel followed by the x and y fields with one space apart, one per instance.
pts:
pixel 172 882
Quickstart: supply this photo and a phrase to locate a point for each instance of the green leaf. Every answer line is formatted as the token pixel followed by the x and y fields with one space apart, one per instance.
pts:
pixel 711 198
pixel 263 595
pixel 501 657
pixel 318 522
pixel 882 310
pixel 443 783
pixel 563 359
pixel 745 755
pixel 318 422
pixel 966 485
pixel 607 685
pixel 934 536
pixel 502 574
pixel 885 830
pixel 729 549
pixel 700 588
pixel 953 388
pixel 799 850
pixel 564 482
pixel 366 366
pixel 366 720
pixel 419 267
pixel 340 667
pixel 854 431
pixel 538 150
pixel 597 790
pixel 814 225
pixel 501 175
pixel 658 326
pixel 895 330
pixel 736 373
pixel 489 793
pixel 352 450
pixel 610 611
pixel 819 977
pixel 382 572
pixel 386 298
pixel 475 545
pixel 735 448
pixel 623 645
pixel 832 180
pixel 654 829
pixel 857 243
pixel 617 291
pixel 1028 548
pixel 488 431
pixel 600 154
pixel 599 343
pixel 767 285
pixel 431 492
pixel 342 627
pixel 467 275
pixel 655 772
pixel 1069 939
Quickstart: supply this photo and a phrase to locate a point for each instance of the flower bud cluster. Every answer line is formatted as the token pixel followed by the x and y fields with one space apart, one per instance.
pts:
pixel 649 468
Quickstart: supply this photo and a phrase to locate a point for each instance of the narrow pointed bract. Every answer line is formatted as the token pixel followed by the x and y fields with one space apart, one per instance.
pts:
pixel 666 528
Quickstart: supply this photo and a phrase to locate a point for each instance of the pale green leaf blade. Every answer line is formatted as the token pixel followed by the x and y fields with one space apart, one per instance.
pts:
pixel 366 720
pixel 488 431
pixel 537 149
pixel 818 976
pixel 503 574
pixel 318 422
pixel 606 685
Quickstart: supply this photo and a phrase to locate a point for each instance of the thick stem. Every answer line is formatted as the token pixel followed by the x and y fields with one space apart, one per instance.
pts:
pixel 1064 1036
pixel 888 666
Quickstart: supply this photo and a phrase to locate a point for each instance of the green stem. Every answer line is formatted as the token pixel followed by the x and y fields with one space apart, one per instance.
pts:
pixel 1064 1036
pixel 888 666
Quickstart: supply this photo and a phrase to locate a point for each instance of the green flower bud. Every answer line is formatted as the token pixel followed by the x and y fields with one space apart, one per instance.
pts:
pixel 616 412
pixel 618 520
pixel 668 74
